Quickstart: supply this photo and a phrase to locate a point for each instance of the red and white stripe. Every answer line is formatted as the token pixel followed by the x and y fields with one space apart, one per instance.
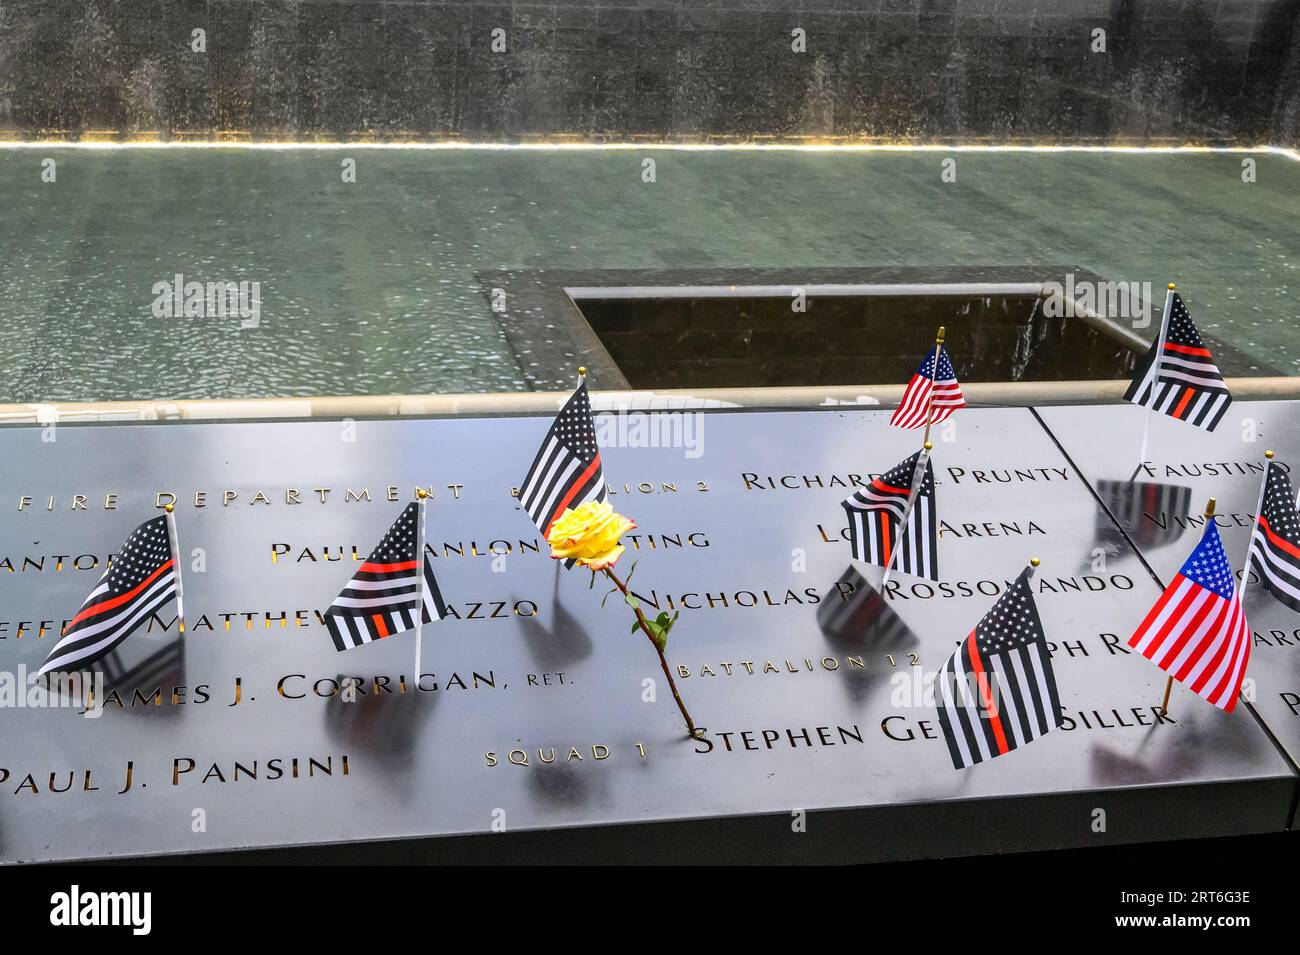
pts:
pixel 914 408
pixel 105 620
pixel 1199 638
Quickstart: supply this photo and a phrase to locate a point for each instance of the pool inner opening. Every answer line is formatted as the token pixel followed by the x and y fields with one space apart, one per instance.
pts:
pixel 728 336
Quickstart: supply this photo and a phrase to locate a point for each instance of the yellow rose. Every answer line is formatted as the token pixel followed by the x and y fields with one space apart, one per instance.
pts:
pixel 589 534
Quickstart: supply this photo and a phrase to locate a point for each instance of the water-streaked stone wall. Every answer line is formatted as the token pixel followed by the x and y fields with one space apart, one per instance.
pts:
pixel 1171 71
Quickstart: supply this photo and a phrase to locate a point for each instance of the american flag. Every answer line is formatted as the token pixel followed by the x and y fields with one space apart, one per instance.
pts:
pixel 1197 631
pixel 1275 544
pixel 140 579
pixel 998 691
pixel 875 514
pixel 566 472
pixel 1186 384
pixel 381 599
pixel 913 410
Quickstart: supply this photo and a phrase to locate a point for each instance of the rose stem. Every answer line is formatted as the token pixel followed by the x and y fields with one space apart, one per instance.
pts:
pixel 663 661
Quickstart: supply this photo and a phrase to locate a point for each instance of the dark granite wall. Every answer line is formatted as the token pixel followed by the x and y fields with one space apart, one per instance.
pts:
pixel 1174 70
pixel 1285 125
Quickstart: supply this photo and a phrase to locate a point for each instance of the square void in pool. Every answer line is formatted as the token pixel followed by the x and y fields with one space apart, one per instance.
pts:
pixel 773 335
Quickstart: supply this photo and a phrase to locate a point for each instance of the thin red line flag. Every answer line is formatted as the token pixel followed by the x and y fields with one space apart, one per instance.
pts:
pixel 997 692
pixel 1181 379
pixel 140 579
pixel 1275 545
pixel 566 473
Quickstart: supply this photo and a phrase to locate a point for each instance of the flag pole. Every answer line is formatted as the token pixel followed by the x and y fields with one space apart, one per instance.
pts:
pixel 421 494
pixel 907 510
pixel 926 448
pixel 175 543
pixel 1245 566
pixel 1155 371
pixel 546 535
pixel 929 409
pixel 1169 681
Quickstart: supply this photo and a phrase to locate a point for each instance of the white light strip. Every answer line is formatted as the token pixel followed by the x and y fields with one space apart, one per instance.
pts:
pixel 815 291
pixel 1289 153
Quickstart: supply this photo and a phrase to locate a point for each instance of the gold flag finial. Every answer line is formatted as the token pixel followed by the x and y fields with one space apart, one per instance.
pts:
pixel 1209 508
pixel 582 371
pixel 1269 454
pixel 1172 286
pixel 421 493
pixel 938 339
pixel 929 445
pixel 169 508
pixel 1034 562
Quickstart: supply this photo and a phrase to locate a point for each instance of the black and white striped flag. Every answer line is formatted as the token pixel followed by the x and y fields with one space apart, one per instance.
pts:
pixel 876 513
pixel 141 578
pixel 998 691
pixel 566 472
pixel 382 598
pixel 1275 544
pixel 1178 376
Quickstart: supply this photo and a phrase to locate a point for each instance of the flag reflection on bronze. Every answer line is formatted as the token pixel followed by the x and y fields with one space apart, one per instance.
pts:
pixel 853 610
pixel 1152 513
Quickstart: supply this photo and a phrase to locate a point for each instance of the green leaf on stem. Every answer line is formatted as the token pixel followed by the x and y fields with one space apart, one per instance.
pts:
pixel 660 626
pixel 655 630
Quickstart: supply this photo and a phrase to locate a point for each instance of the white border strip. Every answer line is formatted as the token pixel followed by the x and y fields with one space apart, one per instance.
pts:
pixel 107 144
pixel 1013 393
pixel 961 289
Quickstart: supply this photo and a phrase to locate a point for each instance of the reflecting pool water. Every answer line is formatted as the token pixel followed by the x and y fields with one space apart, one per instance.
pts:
pixel 372 286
